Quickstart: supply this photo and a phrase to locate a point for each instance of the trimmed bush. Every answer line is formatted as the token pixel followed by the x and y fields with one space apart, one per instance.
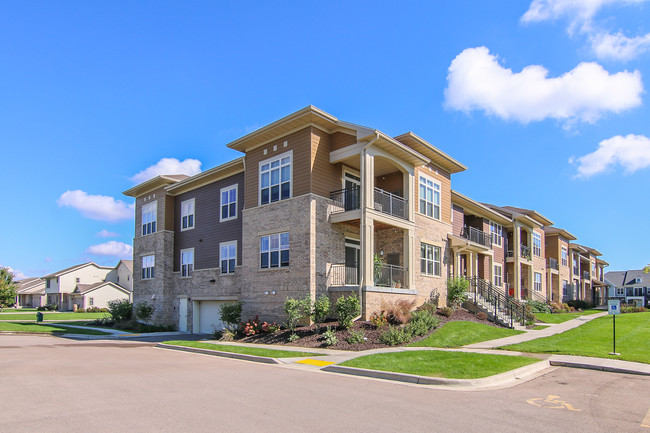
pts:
pixel 144 311
pixel 347 308
pixel 230 315
pixel 421 323
pixel 120 310
pixel 294 309
pixel 394 336
pixel 539 307
pixel 456 290
pixel 356 337
pixel 329 337
pixel 579 304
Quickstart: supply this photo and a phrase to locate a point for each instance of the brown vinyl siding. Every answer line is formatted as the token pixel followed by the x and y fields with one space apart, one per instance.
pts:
pixel 340 140
pixel 161 214
pixel 208 231
pixel 300 143
pixel 459 219
pixel 326 177
pixel 392 182
pixel 552 248
pixel 444 179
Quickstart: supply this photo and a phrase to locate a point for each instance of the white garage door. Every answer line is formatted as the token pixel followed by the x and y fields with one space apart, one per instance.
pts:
pixel 209 316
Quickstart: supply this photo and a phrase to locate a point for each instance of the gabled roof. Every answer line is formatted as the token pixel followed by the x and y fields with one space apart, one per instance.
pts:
pixel 589 250
pixel 478 208
pixel 436 156
pixel 30 285
pixel 558 231
pixel 214 174
pixel 82 289
pixel 153 184
pixel 517 216
pixel 127 263
pixel 74 268
pixel 531 213
pixel 628 278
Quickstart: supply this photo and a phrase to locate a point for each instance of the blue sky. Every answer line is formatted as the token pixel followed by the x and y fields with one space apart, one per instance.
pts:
pixel 545 101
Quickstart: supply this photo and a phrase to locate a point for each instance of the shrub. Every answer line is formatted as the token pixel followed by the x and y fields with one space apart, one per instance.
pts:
pixel 321 310
pixel 230 315
pixel 632 309
pixel 579 304
pixel 558 307
pixel 144 311
pixel 252 327
pixel 80 310
pixel 446 311
pixel 394 336
pixel 347 308
pixel 329 337
pixel 128 324
pixel 294 309
pixel 456 290
pixel 95 310
pixel 421 323
pixel 356 337
pixel 293 337
pixel 379 319
pixel 431 307
pixel 398 311
pixel 481 315
pixel 539 307
pixel 120 310
pixel 105 321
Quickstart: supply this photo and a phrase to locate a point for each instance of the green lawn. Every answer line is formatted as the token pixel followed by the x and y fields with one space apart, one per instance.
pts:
pixel 456 334
pixel 17 310
pixel 435 363
pixel 246 350
pixel 539 327
pixel 52 316
pixel 562 317
pixel 46 329
pixel 594 338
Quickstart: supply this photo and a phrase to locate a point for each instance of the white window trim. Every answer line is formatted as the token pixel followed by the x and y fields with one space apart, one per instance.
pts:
pixel 193 213
pixel 151 205
pixel 228 188
pixel 535 282
pixel 497 233
pixel 433 204
pixel 566 255
pixel 538 236
pixel 500 275
pixel 279 250
pixel 152 266
pixel 433 260
pixel 620 291
pixel 227 244
pixel 259 177
pixel 190 271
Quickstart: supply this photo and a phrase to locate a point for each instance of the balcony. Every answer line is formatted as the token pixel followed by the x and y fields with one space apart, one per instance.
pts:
pixel 524 250
pixel 391 204
pixel 341 275
pixel 553 264
pixel 390 275
pixel 477 236
pixel 346 199
pixel 586 275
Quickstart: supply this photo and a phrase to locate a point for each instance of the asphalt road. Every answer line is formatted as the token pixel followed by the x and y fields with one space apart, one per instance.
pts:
pixel 50 384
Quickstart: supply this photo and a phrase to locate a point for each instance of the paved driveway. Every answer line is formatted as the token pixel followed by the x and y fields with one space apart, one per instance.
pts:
pixel 50 384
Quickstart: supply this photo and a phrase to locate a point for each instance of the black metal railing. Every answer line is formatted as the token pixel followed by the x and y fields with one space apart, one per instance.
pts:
pixel 390 275
pixel 538 297
pixel 476 235
pixel 341 275
pixel 585 275
pixel 553 264
pixel 347 199
pixel 391 204
pixel 497 302
pixel 525 252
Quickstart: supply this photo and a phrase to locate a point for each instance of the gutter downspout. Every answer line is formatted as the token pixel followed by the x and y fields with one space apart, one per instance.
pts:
pixel 364 201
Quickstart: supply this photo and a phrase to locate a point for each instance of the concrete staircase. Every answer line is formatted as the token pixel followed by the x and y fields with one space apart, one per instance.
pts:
pixel 500 308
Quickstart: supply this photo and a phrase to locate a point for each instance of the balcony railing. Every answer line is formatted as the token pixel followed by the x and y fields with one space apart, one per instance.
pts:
pixel 390 275
pixel 524 250
pixel 347 199
pixel 553 264
pixel 585 275
pixel 391 204
pixel 476 235
pixel 341 275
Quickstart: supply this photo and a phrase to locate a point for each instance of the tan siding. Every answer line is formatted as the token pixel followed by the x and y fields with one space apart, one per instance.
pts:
pixel 326 177
pixel 459 220
pixel 445 190
pixel 392 182
pixel 162 214
pixel 339 140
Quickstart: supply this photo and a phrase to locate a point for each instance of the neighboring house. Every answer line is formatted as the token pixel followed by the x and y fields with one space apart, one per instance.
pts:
pixel 31 292
pixel 631 287
pixel 321 206
pixel 69 288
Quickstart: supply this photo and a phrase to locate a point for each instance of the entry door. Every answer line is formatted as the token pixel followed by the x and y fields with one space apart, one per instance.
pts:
pixel 352 192
pixel 352 259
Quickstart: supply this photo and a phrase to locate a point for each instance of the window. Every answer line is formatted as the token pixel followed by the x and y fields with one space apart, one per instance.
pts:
pixel 274 251
pixel 187 214
pixel 576 271
pixel 498 275
pixel 91 301
pixel 76 280
pixel 537 284
pixel 149 214
pixel 537 245
pixel 638 280
pixel 148 266
pixel 275 179
pixel 496 231
pixel 187 262
pixel 228 256
pixel 48 283
pixel 228 203
pixel 565 288
pixel 429 197
pixel 430 260
pixel 620 291
pixel 565 256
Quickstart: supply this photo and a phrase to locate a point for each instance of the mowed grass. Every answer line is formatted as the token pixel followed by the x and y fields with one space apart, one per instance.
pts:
pixel 17 310
pixel 563 317
pixel 436 363
pixel 246 350
pixel 52 316
pixel 456 334
pixel 46 329
pixel 594 339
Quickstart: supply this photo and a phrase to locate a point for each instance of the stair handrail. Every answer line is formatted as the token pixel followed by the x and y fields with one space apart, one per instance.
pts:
pixel 498 300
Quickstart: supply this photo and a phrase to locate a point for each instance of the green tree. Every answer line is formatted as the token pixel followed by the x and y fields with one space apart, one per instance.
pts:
pixel 456 290
pixel 647 269
pixel 8 288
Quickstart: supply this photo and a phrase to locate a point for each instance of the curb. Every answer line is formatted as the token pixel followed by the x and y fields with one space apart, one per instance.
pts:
pixel 240 356
pixel 573 364
pixel 491 381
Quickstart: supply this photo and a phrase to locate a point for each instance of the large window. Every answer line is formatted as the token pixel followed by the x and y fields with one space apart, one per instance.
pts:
pixel 537 283
pixel 565 257
pixel 275 179
pixel 274 251
pixel 149 216
pixel 429 197
pixel 187 214
pixel 187 262
pixel 229 203
pixel 430 260
pixel 565 288
pixel 148 267
pixel 576 271
pixel 537 245
pixel 498 275
pixel 228 256
pixel 496 231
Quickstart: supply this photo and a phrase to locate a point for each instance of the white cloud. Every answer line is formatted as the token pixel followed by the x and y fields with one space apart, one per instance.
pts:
pixel 18 275
pixel 112 248
pixel 476 81
pixel 189 167
pixel 580 15
pixel 106 234
pixel 97 207
pixel 631 152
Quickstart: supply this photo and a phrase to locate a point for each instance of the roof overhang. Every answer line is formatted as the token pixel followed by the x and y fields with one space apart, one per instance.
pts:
pixel 436 156
pixel 394 147
pixel 459 244
pixel 560 232
pixel 601 262
pixel 152 184
pixel 478 208
pixel 206 177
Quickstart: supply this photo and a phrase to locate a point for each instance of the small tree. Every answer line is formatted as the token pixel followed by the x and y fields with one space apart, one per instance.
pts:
pixel 8 288
pixel 320 310
pixel 294 309
pixel 231 315
pixel 456 290
pixel 144 311
pixel 120 310
pixel 347 308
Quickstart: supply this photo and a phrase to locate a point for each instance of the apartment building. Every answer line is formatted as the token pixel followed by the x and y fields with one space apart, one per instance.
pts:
pixel 588 274
pixel 559 276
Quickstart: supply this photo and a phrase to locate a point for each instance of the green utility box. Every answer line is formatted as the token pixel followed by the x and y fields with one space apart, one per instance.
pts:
pixel 39 317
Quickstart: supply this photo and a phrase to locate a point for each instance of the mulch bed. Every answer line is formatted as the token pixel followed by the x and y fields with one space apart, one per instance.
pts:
pixel 309 339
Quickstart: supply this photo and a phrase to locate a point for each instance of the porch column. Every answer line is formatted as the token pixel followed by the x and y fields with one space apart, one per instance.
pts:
pixel 409 182
pixel 490 272
pixel 516 249
pixel 410 258
pixel 367 251
pixel 367 226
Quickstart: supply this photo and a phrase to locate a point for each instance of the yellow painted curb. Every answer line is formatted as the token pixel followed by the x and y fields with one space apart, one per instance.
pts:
pixel 315 362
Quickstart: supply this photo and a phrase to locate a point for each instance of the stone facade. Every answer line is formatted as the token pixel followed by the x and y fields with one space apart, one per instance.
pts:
pixel 435 233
